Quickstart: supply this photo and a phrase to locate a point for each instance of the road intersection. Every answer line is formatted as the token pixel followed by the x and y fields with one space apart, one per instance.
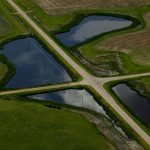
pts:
pixel 87 79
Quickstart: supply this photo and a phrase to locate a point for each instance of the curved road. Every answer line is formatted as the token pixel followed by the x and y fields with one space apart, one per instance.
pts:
pixel 95 82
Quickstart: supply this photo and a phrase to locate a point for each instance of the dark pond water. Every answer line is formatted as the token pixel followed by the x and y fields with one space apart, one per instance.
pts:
pixel 91 26
pixel 136 103
pixel 74 97
pixel 34 65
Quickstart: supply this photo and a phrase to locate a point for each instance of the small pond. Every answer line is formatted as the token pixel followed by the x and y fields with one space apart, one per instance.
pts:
pixel 139 105
pixel 74 97
pixel 34 65
pixel 90 27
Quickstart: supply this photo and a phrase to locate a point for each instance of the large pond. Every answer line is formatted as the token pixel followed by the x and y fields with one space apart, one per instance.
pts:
pixel 34 65
pixel 139 105
pixel 92 26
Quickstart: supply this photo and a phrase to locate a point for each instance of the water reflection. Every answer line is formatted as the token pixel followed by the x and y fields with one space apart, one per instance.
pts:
pixel 34 65
pixel 91 26
pixel 79 98
pixel 138 104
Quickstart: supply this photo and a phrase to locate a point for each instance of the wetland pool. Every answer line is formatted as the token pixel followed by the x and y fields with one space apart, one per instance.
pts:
pixel 34 65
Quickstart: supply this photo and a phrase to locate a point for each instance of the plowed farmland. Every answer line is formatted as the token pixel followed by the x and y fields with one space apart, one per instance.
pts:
pixel 62 6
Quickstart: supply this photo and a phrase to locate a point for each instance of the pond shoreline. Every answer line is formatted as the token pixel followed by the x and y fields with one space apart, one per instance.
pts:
pixel 80 16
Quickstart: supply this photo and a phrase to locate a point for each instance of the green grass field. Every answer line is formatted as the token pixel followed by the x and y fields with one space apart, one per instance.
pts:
pixel 32 126
pixel 99 59
pixel 11 26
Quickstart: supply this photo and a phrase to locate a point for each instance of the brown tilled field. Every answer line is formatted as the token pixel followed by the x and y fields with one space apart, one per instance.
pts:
pixel 62 6
pixel 129 43
pixel 137 44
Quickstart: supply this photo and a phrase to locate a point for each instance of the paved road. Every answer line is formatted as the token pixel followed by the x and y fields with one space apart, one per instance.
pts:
pixel 39 89
pixel 94 82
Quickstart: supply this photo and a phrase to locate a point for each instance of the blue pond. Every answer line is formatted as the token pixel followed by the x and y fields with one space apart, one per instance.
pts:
pixel 34 65
pixel 90 27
